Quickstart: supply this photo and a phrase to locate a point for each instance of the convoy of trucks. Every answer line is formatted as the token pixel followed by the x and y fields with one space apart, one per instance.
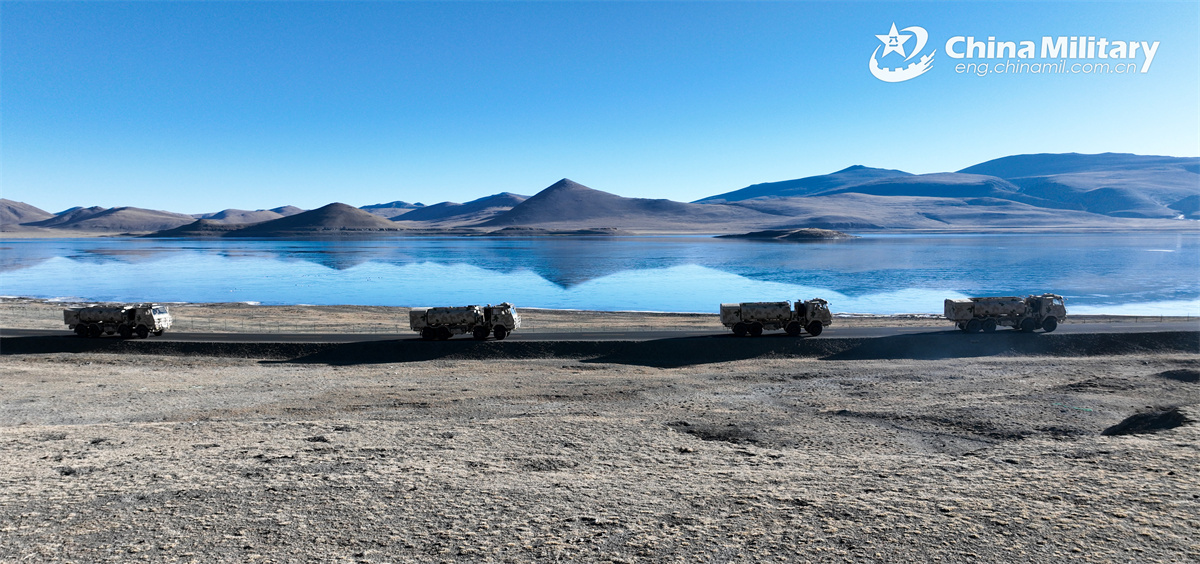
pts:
pixel 1027 314
pixel 441 323
pixel 752 318
pixel 127 320
pixel 971 315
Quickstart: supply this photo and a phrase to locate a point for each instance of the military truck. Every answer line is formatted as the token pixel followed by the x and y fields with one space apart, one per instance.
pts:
pixel 1027 314
pixel 127 320
pixel 441 323
pixel 752 318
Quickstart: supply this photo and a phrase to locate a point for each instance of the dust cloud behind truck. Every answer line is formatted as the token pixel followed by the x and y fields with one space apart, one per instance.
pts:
pixel 441 323
pixel 127 320
pixel 752 318
pixel 1027 314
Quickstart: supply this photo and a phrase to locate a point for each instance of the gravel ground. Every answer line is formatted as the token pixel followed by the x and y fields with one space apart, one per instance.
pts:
pixel 199 459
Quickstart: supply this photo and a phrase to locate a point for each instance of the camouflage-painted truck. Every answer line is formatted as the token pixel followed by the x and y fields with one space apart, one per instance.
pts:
pixel 752 318
pixel 127 320
pixel 1027 314
pixel 441 323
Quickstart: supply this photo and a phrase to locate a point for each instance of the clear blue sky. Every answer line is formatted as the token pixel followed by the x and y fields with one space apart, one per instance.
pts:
pixel 199 106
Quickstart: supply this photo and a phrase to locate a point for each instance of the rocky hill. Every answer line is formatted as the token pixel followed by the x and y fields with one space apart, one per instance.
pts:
pixel 808 186
pixel 13 214
pixel 119 220
pixel 68 217
pixel 199 228
pixel 1046 164
pixel 286 211
pixel 331 219
pixel 475 211
pixel 1105 185
pixel 1113 184
pixel 392 210
pixel 235 216
pixel 569 205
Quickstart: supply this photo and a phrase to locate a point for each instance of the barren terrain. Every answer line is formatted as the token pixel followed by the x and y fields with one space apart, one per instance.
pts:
pixel 201 459
pixel 28 313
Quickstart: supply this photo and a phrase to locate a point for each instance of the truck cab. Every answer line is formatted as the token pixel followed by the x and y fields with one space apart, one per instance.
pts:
pixel 1047 305
pixel 155 316
pixel 503 315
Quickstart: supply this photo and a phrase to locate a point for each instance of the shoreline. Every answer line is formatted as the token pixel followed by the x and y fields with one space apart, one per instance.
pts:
pixel 232 317
pixel 1183 226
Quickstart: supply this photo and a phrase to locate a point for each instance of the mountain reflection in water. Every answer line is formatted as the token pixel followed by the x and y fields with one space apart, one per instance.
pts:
pixel 1119 273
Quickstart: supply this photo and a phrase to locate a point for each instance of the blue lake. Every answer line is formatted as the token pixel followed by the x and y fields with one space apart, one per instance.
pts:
pixel 1143 274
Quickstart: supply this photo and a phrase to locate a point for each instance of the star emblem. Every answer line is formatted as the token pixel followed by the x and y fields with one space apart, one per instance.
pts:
pixel 894 42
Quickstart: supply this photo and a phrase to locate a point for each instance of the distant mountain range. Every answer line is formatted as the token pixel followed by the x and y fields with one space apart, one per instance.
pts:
pixel 1117 185
pixel 1110 184
pixel 1043 192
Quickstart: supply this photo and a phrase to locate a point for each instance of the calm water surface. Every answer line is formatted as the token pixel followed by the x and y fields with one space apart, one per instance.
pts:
pixel 1116 273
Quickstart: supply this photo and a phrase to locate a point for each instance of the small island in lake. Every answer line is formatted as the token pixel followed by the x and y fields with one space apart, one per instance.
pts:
pixel 536 232
pixel 807 234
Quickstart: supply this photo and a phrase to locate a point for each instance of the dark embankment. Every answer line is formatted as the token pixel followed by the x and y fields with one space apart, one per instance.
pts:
pixel 1160 419
pixel 658 353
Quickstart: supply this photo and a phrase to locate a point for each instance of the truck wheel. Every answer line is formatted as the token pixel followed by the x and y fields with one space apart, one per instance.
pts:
pixel 500 332
pixel 125 331
pixel 794 328
pixel 973 326
pixel 81 330
pixel 815 328
pixel 756 330
pixel 142 331
pixel 158 333
pixel 1028 325
pixel 94 331
pixel 428 334
pixel 480 333
pixel 1049 324
pixel 740 329
pixel 444 334
pixel 989 325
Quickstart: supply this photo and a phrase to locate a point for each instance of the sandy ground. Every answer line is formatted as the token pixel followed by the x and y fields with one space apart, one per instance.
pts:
pixel 247 318
pixel 197 459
